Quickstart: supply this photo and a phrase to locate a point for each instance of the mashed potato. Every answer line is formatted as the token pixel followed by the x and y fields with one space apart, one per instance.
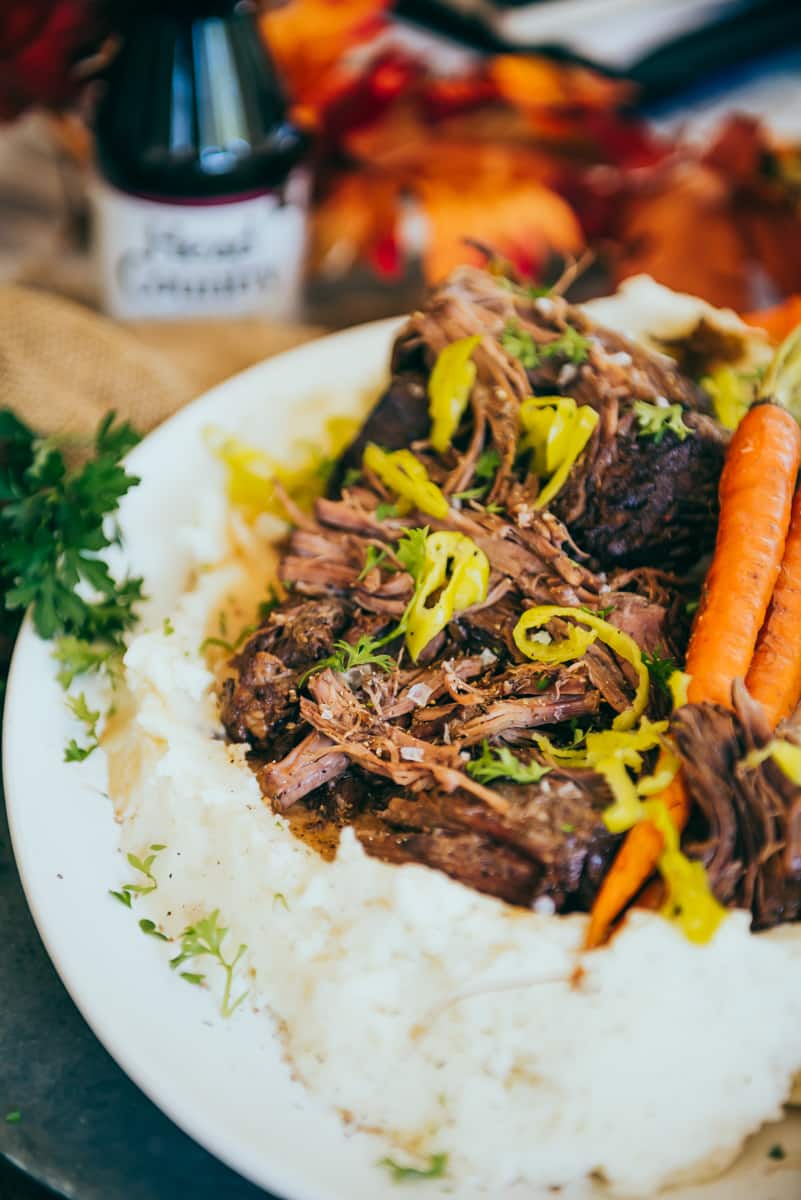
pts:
pixel 441 1019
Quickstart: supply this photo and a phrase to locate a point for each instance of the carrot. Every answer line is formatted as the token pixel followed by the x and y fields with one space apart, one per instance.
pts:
pixel 756 495
pixel 779 321
pixel 775 675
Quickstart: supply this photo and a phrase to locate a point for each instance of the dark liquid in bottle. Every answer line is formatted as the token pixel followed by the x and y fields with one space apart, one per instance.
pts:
pixel 203 208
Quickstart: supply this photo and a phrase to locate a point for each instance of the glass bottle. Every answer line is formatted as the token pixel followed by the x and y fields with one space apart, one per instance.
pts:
pixel 201 201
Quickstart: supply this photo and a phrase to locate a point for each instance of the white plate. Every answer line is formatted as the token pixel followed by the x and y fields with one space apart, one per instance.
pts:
pixel 223 1082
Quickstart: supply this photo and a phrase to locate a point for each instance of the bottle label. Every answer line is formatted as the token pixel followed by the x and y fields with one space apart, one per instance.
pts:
pixel 231 258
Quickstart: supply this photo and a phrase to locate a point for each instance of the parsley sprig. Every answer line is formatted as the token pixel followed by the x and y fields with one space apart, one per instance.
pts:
pixel 518 342
pixel 362 653
pixel 90 719
pixel 502 764
pixel 53 526
pixel 660 668
pixel 655 421
pixel 145 868
pixel 204 938
pixel 436 1169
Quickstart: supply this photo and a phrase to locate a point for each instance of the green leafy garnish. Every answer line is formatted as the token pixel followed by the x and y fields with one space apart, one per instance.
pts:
pixel 351 477
pixel 659 668
pixel 654 421
pixel 280 898
pixel 345 656
pixel 502 764
pixel 269 605
pixel 78 657
pixel 168 629
pixel 145 867
pixel 385 509
pixel 493 507
pixel 411 551
pixel 603 613
pixel 566 828
pixel 570 344
pixel 152 928
pixel 487 464
pixel 373 558
pixel 14 1117
pixel 230 647
pixel 89 718
pixel 206 937
pixel 192 977
pixel 53 525
pixel 776 1152
pixel 474 493
pixel 437 1167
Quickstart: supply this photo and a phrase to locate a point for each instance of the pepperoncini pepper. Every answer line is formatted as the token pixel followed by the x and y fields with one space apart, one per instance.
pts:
pixel 449 388
pixel 557 430
pixel 407 477
pixel 690 903
pixel 577 643
pixel 458 572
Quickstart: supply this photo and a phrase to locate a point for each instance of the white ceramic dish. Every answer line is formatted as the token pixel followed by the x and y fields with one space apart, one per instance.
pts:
pixel 224 1082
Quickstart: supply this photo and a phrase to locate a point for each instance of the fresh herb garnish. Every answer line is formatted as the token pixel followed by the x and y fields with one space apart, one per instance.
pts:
pixel 373 558
pixel 152 928
pixel 144 867
pixel 603 613
pixel 385 508
pixel 659 668
pixel 493 507
pixel 437 1167
pixel 78 657
pixel 193 977
pixel 89 719
pixel 206 937
pixel 345 656
pixel 502 764
pixel 280 898
pixel 566 828
pixel 224 644
pixel 570 344
pixel 411 551
pixel 474 493
pixel 351 477
pixel 269 605
pixel 53 525
pixel 655 421
pixel 14 1117
pixel 168 629
pixel 487 464
pixel 776 1152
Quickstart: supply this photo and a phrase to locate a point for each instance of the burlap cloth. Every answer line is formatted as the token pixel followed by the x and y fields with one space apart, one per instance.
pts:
pixel 62 367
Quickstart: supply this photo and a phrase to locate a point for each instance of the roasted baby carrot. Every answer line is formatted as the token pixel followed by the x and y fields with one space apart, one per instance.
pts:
pixel 756 496
pixel 775 675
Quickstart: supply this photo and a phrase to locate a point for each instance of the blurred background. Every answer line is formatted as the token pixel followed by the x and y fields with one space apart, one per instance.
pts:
pixel 382 144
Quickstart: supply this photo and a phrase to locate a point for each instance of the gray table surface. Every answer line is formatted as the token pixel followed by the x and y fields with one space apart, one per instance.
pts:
pixel 85 1130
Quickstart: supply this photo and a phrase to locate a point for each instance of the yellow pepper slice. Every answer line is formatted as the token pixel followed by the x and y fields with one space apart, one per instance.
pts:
pixel 678 685
pixel 449 387
pixel 407 477
pixel 732 395
pixel 557 430
pixel 786 756
pixel 690 903
pixel 454 569
pixel 576 644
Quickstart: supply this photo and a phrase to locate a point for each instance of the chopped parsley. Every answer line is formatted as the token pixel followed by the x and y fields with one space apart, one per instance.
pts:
pixel 502 764
pixel 206 937
pixel 474 493
pixel 603 613
pixel 145 868
pixel 280 898
pixel 150 927
pixel 224 644
pixel 14 1117
pixel 487 464
pixel 660 669
pixel 373 558
pixel 570 345
pixel 411 551
pixel 436 1169
pixel 655 421
pixel 352 476
pixel 168 629
pixel 269 605
pixel 566 828
pixel 345 656
pixel 777 1152
pixel 80 709
pixel 386 509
